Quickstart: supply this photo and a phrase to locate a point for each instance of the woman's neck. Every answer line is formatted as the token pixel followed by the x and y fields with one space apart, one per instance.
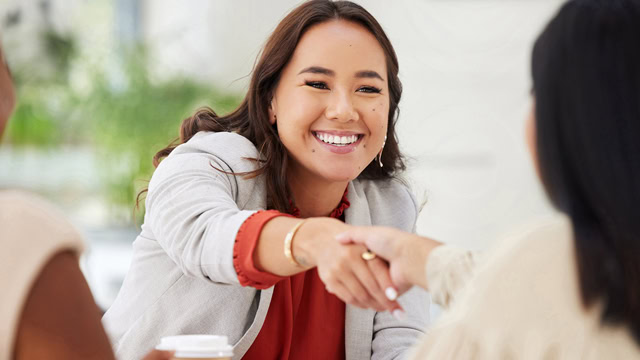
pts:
pixel 313 196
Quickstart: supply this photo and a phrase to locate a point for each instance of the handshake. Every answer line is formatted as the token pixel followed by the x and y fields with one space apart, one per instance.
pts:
pixel 366 266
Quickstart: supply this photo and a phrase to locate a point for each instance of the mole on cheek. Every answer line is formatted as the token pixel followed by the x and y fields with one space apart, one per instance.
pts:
pixel 374 109
pixel 313 150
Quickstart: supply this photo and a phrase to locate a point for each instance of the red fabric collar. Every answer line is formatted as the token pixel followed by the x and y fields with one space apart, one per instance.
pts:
pixel 336 213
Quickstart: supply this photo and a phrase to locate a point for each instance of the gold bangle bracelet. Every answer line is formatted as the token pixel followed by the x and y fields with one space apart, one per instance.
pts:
pixel 288 243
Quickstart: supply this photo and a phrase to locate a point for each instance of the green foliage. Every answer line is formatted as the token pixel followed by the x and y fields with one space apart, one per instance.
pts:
pixel 60 48
pixel 32 123
pixel 133 123
pixel 127 123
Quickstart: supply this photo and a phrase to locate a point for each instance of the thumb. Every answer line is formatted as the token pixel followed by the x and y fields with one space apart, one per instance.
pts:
pixel 352 236
pixel 370 237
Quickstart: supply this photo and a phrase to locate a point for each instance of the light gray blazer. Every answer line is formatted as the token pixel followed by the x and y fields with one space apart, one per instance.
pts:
pixel 182 279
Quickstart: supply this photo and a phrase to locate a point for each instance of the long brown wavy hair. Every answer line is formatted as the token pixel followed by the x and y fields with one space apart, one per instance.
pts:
pixel 251 118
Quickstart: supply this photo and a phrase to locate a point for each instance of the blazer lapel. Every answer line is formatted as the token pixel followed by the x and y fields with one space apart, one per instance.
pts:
pixel 242 346
pixel 358 322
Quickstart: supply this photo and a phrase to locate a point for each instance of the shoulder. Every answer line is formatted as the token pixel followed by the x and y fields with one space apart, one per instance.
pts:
pixel 524 291
pixel 391 202
pixel 32 232
pixel 538 254
pixel 205 151
pixel 222 144
pixel 525 299
pixel 230 148
pixel 534 269
pixel 26 220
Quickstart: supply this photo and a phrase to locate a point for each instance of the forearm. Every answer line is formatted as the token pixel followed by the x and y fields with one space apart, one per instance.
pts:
pixel 269 254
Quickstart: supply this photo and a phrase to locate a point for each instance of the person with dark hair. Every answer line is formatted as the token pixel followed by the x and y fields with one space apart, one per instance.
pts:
pixel 570 289
pixel 46 307
pixel 240 219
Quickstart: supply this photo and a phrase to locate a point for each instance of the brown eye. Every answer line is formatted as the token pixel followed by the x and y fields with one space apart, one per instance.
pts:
pixel 369 90
pixel 317 85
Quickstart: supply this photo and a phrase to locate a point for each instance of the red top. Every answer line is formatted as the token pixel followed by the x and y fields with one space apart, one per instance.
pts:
pixel 304 321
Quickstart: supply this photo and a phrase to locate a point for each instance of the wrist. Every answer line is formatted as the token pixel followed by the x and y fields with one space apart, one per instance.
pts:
pixel 420 248
pixel 311 238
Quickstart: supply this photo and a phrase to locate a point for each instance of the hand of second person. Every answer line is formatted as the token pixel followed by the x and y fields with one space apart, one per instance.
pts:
pixel 342 269
pixel 406 252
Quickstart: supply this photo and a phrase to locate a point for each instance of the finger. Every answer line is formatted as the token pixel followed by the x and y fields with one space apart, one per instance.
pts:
pixel 380 271
pixel 375 239
pixel 342 292
pixel 351 236
pixel 368 279
pixel 354 285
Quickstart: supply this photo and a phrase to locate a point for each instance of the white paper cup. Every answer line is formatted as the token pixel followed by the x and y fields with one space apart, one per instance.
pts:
pixel 202 347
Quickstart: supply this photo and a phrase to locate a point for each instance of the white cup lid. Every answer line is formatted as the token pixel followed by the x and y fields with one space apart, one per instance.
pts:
pixel 197 346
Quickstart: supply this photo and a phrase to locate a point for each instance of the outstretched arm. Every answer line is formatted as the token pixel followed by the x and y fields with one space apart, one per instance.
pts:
pixel 342 268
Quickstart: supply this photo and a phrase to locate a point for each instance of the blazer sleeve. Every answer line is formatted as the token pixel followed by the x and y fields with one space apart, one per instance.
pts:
pixel 393 338
pixel 192 212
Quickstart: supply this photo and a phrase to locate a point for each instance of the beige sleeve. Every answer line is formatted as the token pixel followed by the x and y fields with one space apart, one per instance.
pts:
pixel 448 271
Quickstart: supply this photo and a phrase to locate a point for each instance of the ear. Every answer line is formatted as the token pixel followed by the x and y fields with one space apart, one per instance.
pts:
pixel 273 110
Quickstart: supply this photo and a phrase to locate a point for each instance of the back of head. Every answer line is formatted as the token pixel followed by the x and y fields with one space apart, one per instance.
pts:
pixel 586 73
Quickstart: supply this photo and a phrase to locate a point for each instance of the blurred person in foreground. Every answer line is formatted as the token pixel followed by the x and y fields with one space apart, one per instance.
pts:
pixel 570 289
pixel 46 308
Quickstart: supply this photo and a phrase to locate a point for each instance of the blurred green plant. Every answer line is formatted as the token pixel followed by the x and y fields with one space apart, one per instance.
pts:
pixel 127 121
pixel 132 123
pixel 60 49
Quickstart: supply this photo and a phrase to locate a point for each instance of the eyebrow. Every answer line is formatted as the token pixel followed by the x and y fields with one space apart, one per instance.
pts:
pixel 328 72
pixel 368 74
pixel 317 70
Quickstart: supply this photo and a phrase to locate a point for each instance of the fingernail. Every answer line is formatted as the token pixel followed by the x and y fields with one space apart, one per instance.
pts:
pixel 399 314
pixel 391 293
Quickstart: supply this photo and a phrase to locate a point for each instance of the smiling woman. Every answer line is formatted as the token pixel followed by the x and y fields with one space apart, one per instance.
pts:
pixel 326 113
pixel 241 216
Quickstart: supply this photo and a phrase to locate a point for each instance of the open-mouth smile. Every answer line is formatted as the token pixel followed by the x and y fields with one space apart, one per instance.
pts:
pixel 341 142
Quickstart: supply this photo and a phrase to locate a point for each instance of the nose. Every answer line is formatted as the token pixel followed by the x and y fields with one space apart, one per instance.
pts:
pixel 340 107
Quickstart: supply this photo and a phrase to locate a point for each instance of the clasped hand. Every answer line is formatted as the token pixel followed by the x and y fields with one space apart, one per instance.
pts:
pixel 399 264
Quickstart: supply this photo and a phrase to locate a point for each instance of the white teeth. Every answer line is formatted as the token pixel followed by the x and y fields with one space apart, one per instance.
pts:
pixel 336 140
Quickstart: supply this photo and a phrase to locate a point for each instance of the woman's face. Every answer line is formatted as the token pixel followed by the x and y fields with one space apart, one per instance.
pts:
pixel 331 103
